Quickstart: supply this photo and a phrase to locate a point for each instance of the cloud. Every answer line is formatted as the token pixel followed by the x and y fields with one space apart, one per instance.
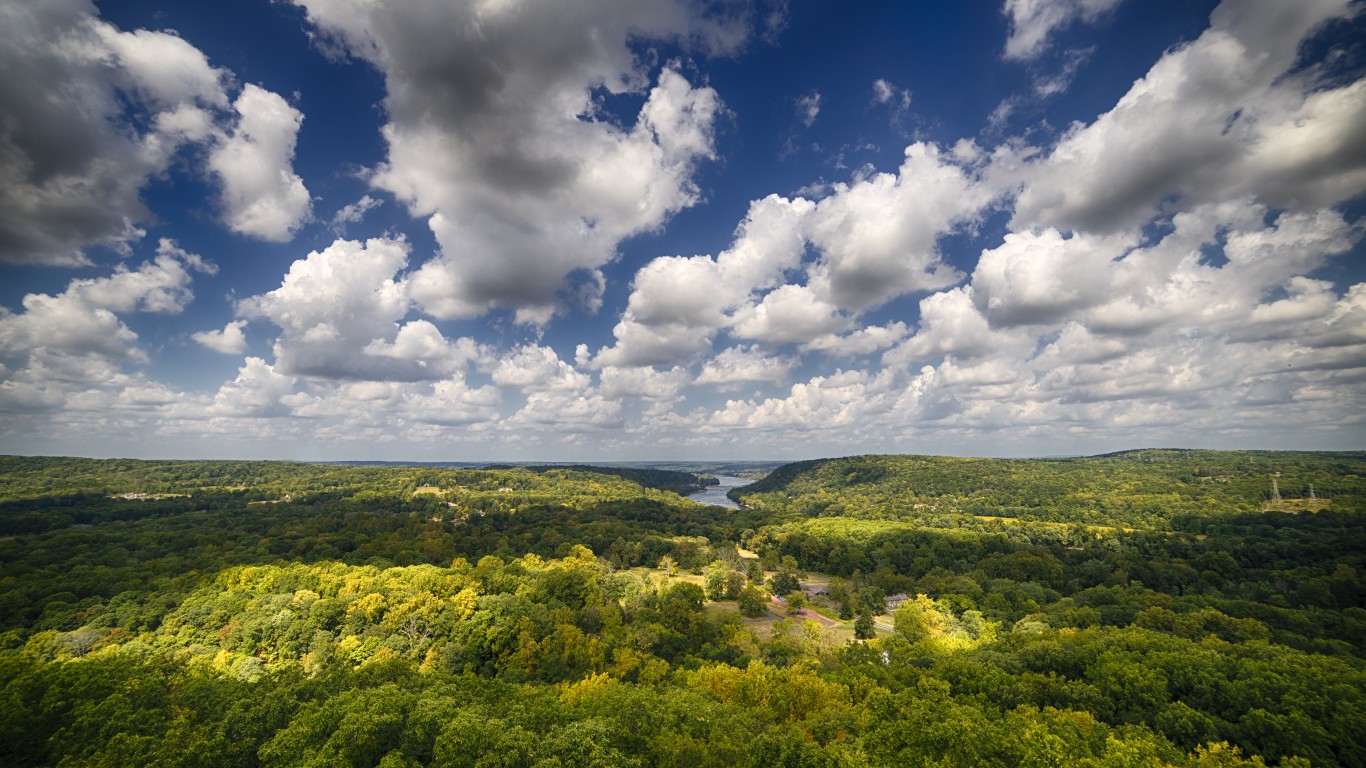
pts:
pixel 950 324
pixel 787 314
pixel 75 354
pixel 388 409
pixel 875 238
pixel 421 342
pixel 1054 83
pixel 261 195
pixel 744 364
pixel 1095 335
pixel 83 320
pixel 822 405
pixel 878 236
pixel 341 312
pixel 538 369
pixel 262 401
pixel 73 156
pixel 1218 119
pixel 864 341
pixel 1040 277
pixel 496 137
pixel 1171 283
pixel 808 108
pixel 258 391
pixel 568 412
pixel 646 383
pixel 94 114
pixel 160 67
pixel 678 304
pixel 1106 293
pixel 452 402
pixel 66 323
pixel 774 19
pixel 332 303
pixel 229 341
pixel 1178 267
pixel 887 94
pixel 1032 22
pixel 352 213
pixel 520 248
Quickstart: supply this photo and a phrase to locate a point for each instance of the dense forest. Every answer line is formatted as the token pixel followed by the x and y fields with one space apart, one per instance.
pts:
pixel 1148 608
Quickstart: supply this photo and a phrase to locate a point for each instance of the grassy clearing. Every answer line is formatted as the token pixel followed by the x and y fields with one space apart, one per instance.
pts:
pixel 659 576
pixel 841 633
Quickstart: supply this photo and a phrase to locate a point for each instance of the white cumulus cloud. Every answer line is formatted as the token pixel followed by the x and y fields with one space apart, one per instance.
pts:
pixel 736 365
pixel 495 137
pixel 95 114
pixel 261 196
pixel 538 369
pixel 1216 120
pixel 342 314
pixel 84 319
pixel 229 341
pixel 73 158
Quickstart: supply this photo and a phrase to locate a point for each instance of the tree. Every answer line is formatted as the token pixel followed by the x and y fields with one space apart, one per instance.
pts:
pixel 81 641
pixel 839 590
pixel 1223 755
pixel 735 583
pixel 863 627
pixel 755 571
pixel 680 606
pixel 716 581
pixel 784 583
pixel 870 600
pixel 977 627
pixel 912 622
pixel 753 601
pixel 416 630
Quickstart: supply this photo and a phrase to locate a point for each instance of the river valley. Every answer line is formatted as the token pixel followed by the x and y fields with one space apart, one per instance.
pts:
pixel 716 494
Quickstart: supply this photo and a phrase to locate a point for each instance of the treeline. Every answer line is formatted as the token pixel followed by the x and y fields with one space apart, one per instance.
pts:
pixel 681 483
pixel 1140 489
pixel 33 479
pixel 43 493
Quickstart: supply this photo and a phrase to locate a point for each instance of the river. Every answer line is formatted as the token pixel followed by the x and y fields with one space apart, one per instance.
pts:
pixel 716 494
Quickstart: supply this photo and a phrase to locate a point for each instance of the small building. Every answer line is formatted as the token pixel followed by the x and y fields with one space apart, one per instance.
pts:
pixel 894 602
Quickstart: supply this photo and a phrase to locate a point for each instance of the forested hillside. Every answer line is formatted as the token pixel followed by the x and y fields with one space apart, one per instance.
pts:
pixel 1142 609
pixel 1150 489
pixel 681 483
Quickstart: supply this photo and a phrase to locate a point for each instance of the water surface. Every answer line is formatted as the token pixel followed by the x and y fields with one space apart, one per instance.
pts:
pixel 716 494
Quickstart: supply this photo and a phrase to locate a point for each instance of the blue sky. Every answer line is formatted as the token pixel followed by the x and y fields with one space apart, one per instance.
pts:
pixel 655 229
